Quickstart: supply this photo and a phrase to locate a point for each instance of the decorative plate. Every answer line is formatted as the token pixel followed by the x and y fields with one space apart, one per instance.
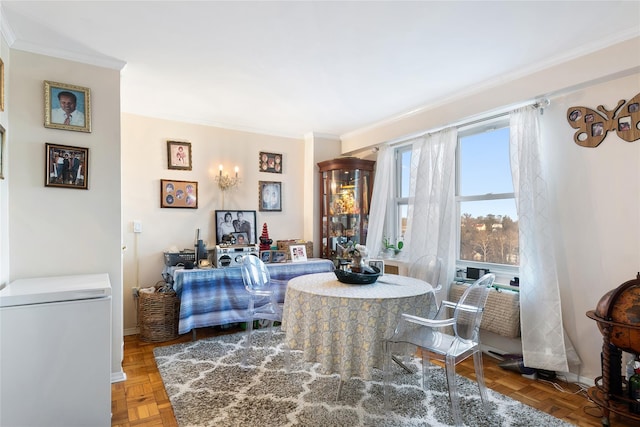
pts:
pixel 370 275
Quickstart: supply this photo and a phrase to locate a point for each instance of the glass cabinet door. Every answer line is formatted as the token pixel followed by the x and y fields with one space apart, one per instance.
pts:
pixel 346 186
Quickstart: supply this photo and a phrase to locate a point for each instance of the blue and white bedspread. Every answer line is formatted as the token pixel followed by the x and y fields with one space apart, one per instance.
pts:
pixel 217 296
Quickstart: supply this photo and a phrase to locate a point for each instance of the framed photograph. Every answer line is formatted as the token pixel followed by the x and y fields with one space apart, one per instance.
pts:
pixel 1 85
pixel 179 155
pixel 265 256
pixel 270 162
pixel 278 256
pixel 298 253
pixel 67 107
pixel 269 196
pixel 1 152
pixel 236 227
pixel 377 263
pixel 66 166
pixel 178 194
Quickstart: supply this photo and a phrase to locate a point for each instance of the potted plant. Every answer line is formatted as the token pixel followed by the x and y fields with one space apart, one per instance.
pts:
pixel 390 248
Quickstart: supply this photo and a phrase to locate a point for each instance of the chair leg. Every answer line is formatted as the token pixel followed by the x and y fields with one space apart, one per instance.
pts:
pixel 477 363
pixel 453 391
pixel 339 389
pixel 245 357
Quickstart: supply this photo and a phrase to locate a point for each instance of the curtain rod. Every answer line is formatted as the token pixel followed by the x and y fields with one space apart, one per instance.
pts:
pixel 538 103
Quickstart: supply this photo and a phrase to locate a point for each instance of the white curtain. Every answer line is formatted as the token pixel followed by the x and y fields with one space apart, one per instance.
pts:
pixel 432 208
pixel 544 343
pixel 381 197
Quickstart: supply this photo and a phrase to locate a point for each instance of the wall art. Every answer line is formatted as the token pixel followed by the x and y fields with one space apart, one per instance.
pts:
pixel 593 126
pixel 179 155
pixel 270 162
pixel 270 196
pixel 67 107
pixel 178 194
pixel 66 166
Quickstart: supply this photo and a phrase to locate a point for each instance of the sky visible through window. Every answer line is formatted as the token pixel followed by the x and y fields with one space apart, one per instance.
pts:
pixel 485 168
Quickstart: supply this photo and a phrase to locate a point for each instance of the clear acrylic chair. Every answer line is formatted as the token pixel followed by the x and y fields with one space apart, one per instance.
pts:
pixel 263 303
pixel 428 268
pixel 451 336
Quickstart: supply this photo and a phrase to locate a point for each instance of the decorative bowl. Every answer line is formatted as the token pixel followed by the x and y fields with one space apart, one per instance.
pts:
pixel 370 275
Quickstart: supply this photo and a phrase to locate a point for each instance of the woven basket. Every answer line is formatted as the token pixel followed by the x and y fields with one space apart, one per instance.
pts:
pixel 158 316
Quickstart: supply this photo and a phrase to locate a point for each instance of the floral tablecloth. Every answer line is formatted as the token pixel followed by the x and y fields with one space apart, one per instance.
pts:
pixel 342 326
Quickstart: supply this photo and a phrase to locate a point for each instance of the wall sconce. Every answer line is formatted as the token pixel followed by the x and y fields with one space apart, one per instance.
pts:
pixel 225 182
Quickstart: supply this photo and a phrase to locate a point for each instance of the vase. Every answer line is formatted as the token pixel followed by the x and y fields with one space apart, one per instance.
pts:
pixel 356 264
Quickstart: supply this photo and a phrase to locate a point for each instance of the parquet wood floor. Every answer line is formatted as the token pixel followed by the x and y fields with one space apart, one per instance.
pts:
pixel 141 400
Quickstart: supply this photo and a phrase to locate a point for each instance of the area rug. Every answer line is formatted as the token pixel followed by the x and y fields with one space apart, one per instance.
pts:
pixel 208 386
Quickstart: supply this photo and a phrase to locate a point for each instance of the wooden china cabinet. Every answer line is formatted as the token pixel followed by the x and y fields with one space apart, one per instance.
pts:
pixel 346 184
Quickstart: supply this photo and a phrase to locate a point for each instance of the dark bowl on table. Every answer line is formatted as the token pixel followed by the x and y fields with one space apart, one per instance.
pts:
pixel 366 277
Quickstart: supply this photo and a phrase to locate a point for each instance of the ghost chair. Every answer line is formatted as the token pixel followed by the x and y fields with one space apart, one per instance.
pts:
pixel 450 337
pixel 427 268
pixel 263 303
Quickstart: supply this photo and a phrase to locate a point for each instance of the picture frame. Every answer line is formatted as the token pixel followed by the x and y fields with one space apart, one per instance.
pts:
pixel 231 225
pixel 265 256
pixel 270 196
pixel 1 85
pixel 377 263
pixel 2 152
pixel 278 256
pixel 298 253
pixel 61 99
pixel 179 155
pixel 178 194
pixel 270 162
pixel 66 166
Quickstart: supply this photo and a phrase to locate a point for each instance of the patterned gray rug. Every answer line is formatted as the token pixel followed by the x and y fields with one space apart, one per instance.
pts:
pixel 208 386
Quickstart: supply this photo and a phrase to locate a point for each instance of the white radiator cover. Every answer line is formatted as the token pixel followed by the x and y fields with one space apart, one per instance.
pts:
pixel 502 311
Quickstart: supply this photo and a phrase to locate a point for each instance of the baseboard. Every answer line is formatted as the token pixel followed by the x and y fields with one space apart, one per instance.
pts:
pixel 117 377
pixel 131 331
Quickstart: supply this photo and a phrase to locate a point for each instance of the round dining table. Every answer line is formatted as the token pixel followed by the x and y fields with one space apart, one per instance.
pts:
pixel 342 326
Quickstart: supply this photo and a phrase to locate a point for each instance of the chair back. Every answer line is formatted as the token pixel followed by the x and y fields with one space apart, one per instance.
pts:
pixel 255 274
pixel 427 268
pixel 469 309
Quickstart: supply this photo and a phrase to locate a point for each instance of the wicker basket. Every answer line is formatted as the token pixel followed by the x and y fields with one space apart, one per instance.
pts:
pixel 158 316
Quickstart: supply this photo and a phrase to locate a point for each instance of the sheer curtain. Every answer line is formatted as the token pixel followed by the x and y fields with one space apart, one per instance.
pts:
pixel 432 209
pixel 544 343
pixel 381 197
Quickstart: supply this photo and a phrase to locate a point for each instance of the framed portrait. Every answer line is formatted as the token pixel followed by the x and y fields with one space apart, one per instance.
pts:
pixel 298 253
pixel 377 263
pixel 178 194
pixel 270 196
pixel 270 162
pixel 179 155
pixel 236 227
pixel 1 152
pixel 66 166
pixel 265 256
pixel 67 107
pixel 278 256
pixel 1 85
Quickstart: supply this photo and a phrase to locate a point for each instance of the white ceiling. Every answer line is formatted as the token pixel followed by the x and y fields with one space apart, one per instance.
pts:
pixel 289 68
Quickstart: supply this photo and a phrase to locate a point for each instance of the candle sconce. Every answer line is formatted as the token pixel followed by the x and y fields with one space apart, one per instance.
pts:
pixel 225 182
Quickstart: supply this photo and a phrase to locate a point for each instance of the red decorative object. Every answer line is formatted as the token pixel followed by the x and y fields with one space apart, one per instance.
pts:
pixel 265 241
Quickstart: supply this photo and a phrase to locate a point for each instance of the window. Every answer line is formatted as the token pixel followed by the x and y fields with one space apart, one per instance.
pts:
pixel 403 168
pixel 488 232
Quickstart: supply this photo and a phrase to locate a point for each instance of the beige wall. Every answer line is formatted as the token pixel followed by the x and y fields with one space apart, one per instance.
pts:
pixel 60 231
pixel 595 194
pixel 4 183
pixel 144 163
